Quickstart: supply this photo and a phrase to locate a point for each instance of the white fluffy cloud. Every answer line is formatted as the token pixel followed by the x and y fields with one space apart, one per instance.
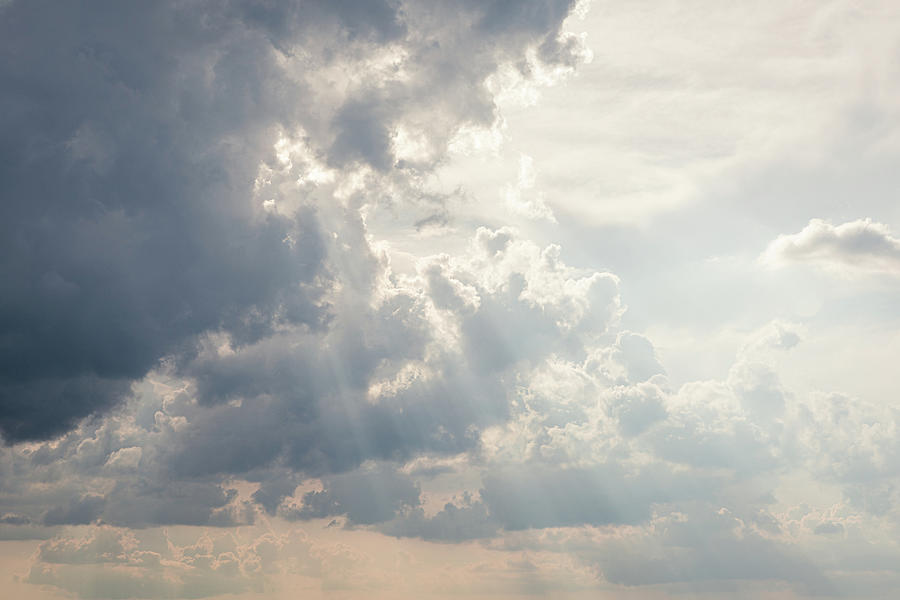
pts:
pixel 853 247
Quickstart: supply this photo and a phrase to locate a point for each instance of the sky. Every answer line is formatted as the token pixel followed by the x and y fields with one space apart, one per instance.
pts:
pixel 434 299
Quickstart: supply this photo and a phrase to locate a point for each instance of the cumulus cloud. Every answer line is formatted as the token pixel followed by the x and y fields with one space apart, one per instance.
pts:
pixel 188 204
pixel 585 441
pixel 189 258
pixel 856 246
pixel 133 147
pixel 128 229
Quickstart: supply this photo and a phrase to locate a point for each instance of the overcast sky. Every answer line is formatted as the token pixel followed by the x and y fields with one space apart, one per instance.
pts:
pixel 437 299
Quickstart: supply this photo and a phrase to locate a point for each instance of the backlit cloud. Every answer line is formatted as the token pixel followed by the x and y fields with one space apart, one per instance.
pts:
pixel 433 299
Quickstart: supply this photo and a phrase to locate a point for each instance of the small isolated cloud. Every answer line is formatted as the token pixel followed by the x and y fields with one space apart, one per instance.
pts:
pixel 855 246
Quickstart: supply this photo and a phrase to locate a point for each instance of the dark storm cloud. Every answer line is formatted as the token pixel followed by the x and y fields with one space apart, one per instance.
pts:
pixel 135 239
pixel 131 138
pixel 33 409
pixel 131 134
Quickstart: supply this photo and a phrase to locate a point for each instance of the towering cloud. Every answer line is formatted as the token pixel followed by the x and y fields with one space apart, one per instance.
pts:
pixel 132 139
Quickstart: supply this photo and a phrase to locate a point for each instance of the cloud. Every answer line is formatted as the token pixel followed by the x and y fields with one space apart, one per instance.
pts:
pixel 367 496
pixel 405 366
pixel 129 229
pixel 860 246
pixel 137 143
pixel 534 497
pixel 519 197
pixel 80 512
pixel 207 324
pixel 707 546
pixel 467 520
pixel 188 206
pixel 113 563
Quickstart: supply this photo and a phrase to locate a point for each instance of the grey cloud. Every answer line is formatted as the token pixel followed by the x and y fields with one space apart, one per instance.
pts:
pixel 631 359
pixel 494 335
pixel 127 230
pixel 105 545
pixel 27 532
pixel 78 512
pixel 518 302
pixel 19 526
pixel 564 50
pixel 850 442
pixel 137 242
pixel 469 520
pixel 709 547
pixel 534 497
pixel 273 490
pixel 112 563
pixel 366 497
pixel 523 18
pixel 638 356
pixel 758 388
pixel 637 408
pixel 34 409
pixel 341 433
pixel 362 134
pixel 131 145
pixel 376 21
pixel 312 392
pixel 530 497
pixel 137 490
pixel 309 395
pixel 434 221
pixel 828 528
pixel 698 549
pixel 148 502
pixel 133 238
pixel 14 519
